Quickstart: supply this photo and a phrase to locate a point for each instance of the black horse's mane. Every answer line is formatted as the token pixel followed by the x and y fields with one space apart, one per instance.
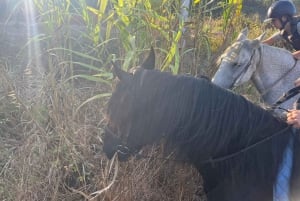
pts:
pixel 201 119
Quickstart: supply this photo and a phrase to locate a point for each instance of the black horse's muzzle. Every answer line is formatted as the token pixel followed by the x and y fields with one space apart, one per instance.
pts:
pixel 113 145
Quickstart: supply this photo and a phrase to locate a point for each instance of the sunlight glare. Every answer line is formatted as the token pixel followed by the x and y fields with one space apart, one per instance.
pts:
pixel 33 36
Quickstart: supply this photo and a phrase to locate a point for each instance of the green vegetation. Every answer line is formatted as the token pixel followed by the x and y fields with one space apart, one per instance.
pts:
pixel 55 69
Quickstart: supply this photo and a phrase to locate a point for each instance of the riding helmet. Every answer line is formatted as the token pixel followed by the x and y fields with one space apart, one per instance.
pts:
pixel 281 8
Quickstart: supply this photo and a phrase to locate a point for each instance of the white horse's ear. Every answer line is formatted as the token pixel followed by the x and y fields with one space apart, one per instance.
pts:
pixel 243 35
pixel 261 37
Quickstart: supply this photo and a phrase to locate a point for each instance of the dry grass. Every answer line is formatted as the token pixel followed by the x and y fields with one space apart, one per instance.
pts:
pixel 50 151
pixel 60 158
pixel 156 178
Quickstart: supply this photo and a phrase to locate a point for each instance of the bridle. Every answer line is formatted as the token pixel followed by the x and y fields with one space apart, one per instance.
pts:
pixel 250 63
pixel 120 148
pixel 291 93
pixel 246 67
pixel 125 150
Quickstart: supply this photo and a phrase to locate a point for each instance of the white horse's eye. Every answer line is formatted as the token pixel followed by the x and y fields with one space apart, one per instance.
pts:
pixel 236 64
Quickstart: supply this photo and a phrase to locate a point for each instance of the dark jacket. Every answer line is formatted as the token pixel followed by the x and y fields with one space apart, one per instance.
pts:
pixel 294 38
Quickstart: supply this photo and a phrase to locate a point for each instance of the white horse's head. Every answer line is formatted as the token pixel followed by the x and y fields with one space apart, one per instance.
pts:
pixel 236 63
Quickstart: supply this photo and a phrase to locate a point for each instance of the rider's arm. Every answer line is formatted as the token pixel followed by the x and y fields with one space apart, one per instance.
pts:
pixel 274 38
pixel 296 54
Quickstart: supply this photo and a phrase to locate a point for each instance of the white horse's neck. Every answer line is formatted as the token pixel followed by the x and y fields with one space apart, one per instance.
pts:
pixel 277 57
pixel 273 69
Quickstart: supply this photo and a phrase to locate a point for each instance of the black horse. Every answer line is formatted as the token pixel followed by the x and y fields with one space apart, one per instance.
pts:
pixel 236 145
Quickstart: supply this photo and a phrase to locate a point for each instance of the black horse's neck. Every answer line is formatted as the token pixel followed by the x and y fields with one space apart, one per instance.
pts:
pixel 200 120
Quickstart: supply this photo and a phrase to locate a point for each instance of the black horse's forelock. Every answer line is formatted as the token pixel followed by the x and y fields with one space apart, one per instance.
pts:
pixel 200 119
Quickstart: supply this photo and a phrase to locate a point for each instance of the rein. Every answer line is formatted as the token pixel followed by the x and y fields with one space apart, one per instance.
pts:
pixel 245 149
pixel 288 95
pixel 124 150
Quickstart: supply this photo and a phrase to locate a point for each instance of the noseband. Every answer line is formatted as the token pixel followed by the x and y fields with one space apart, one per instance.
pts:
pixel 120 148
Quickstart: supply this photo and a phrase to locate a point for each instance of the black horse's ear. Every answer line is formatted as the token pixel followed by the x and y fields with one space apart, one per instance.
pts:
pixel 149 62
pixel 121 74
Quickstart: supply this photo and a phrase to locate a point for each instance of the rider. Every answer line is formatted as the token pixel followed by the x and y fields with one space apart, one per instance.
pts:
pixel 282 15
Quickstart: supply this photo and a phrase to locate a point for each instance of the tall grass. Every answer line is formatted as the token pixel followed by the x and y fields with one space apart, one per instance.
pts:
pixel 56 79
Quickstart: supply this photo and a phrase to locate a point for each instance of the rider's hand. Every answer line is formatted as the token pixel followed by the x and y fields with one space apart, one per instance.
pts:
pixel 297 82
pixel 296 55
pixel 293 118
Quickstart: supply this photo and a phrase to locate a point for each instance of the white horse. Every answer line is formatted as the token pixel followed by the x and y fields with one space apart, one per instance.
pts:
pixel 272 70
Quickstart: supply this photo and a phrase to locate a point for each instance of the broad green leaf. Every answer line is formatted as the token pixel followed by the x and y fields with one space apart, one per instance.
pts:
pixel 103 6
